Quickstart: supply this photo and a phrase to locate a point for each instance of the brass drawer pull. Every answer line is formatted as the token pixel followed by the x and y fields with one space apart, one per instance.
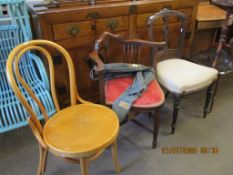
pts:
pixel 113 24
pixel 73 31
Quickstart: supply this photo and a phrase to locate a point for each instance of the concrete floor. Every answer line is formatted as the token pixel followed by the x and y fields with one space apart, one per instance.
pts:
pixel 19 151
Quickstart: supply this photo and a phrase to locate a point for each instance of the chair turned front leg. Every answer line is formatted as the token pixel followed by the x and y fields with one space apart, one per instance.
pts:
pixel 176 107
pixel 115 157
pixel 42 160
pixel 83 165
pixel 214 95
pixel 156 127
pixel 209 96
pixel 167 94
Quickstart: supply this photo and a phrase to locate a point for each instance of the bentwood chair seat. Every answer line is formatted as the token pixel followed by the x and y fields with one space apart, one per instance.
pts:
pixel 180 77
pixel 81 130
pixel 78 133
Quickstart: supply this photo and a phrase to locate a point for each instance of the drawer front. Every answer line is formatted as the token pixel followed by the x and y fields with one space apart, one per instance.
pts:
pixel 71 30
pixel 116 24
pixel 142 18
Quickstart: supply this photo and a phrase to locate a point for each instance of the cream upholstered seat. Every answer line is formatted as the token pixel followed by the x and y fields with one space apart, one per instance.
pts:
pixel 181 76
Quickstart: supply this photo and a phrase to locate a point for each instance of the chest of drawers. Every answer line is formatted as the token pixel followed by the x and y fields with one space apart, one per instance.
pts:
pixel 76 26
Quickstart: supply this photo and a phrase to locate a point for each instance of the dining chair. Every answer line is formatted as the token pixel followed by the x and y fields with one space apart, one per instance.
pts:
pixel 78 133
pixel 110 48
pixel 178 76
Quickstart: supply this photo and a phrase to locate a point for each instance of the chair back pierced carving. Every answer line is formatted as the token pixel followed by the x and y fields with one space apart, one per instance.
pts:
pixel 165 16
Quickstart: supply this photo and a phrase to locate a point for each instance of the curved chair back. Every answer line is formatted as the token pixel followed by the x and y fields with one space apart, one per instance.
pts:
pixel 165 15
pixel 115 49
pixel 14 75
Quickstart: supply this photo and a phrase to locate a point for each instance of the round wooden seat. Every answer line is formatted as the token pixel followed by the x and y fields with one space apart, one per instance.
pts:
pixel 81 130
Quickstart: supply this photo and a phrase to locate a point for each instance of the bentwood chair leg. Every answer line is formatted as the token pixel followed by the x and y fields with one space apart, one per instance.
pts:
pixel 45 155
pixel 42 160
pixel 115 157
pixel 83 165
pixel 156 127
pixel 176 107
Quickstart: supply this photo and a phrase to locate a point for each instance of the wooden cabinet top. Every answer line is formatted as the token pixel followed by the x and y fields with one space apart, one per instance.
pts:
pixel 207 12
pixel 210 16
pixel 111 4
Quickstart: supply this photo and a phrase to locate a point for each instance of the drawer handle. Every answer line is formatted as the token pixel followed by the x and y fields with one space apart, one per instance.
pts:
pixel 73 30
pixel 113 24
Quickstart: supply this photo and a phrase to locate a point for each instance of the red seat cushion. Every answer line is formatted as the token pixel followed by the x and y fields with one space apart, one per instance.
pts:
pixel 153 96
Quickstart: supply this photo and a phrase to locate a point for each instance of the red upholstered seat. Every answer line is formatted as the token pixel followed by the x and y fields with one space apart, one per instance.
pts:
pixel 153 96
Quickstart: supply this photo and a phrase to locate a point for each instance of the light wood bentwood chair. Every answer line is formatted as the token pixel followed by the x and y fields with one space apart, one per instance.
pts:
pixel 78 133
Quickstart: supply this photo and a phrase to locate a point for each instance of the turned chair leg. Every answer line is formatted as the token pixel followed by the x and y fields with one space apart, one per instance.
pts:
pixel 83 165
pixel 176 107
pixel 156 127
pixel 214 95
pixel 42 160
pixel 167 94
pixel 115 157
pixel 209 99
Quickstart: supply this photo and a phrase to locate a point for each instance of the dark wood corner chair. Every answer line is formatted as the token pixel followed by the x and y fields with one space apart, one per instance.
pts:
pixel 110 48
pixel 178 76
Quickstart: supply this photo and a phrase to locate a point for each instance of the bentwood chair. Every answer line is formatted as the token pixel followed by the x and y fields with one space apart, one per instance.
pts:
pixel 110 48
pixel 78 133
pixel 178 76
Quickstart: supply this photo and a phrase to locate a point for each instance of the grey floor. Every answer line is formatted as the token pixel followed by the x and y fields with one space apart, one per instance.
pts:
pixel 19 152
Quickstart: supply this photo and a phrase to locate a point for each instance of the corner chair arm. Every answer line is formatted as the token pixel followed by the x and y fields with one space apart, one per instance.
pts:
pixel 161 44
pixel 95 57
pixel 106 36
